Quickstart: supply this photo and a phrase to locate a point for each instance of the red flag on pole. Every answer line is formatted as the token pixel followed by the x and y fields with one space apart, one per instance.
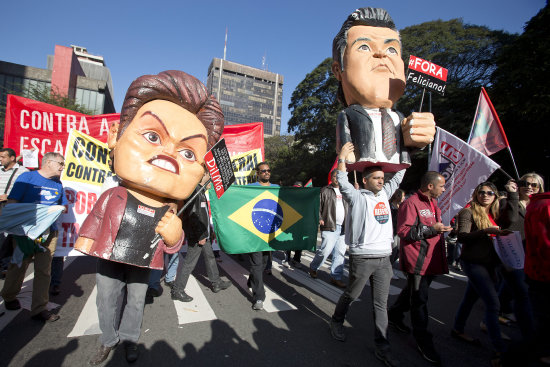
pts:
pixel 332 169
pixel 487 134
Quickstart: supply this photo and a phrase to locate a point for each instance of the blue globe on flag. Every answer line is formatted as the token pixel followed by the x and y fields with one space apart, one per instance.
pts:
pixel 267 216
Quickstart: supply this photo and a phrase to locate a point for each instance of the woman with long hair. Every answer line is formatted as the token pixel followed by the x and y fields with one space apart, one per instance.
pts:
pixel 476 225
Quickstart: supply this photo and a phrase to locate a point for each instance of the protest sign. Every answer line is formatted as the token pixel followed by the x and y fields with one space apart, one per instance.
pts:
pixel 463 168
pixel 44 127
pixel 219 165
pixel 427 74
pixel 86 167
pixel 510 250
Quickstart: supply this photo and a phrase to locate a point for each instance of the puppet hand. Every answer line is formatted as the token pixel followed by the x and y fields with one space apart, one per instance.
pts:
pixel 418 129
pixel 170 229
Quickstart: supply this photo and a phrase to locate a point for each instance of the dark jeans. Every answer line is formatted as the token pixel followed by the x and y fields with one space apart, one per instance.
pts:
pixel 190 261
pixel 297 256
pixel 258 261
pixel 57 271
pixel 481 284
pixel 379 272
pixel 111 279
pixel 414 298
pixel 514 283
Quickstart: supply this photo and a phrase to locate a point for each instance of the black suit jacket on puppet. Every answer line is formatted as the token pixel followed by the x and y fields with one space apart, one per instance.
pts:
pixel 355 125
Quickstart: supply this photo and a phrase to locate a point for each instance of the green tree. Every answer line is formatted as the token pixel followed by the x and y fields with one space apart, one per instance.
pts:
pixel 521 96
pixel 314 109
pixel 468 52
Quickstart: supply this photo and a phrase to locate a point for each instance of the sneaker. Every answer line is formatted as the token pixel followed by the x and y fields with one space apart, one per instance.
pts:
pixel 258 305
pixel 132 351
pixel 313 274
pixel 153 292
pixel 295 264
pixel 221 285
pixel 169 284
pixel 338 283
pixel 428 352
pixel 12 305
pixel 398 324
pixel 386 357
pixel 178 295
pixel 337 330
pixel 285 264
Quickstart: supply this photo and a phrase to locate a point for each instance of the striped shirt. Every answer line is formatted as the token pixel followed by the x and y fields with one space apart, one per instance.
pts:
pixel 5 175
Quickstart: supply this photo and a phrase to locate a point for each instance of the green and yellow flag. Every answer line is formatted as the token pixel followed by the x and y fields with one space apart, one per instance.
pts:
pixel 258 218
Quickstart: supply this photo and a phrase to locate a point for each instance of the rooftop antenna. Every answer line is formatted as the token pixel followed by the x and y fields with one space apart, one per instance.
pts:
pixel 225 45
pixel 264 61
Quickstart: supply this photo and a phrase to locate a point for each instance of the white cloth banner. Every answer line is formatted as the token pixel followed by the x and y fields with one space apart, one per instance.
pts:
pixel 510 250
pixel 463 168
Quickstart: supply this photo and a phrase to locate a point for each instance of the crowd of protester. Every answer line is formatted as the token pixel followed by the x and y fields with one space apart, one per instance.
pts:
pixel 404 230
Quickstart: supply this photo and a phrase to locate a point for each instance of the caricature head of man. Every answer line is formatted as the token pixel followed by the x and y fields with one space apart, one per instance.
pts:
pixel 367 60
pixel 167 123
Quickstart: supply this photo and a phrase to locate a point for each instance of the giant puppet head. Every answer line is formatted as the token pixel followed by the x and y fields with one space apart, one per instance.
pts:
pixel 367 60
pixel 167 123
pixel 368 64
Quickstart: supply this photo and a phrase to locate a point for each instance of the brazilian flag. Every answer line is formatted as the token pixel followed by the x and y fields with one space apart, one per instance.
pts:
pixel 265 218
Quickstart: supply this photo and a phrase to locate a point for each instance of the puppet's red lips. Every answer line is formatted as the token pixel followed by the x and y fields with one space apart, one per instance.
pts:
pixel 166 163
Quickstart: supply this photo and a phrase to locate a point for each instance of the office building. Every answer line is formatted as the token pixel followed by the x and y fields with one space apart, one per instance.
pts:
pixel 71 71
pixel 247 94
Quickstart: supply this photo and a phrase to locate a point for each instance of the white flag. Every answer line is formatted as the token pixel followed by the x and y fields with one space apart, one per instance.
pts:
pixel 463 168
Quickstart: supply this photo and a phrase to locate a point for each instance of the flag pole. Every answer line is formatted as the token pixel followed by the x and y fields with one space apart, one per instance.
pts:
pixel 506 173
pixel 494 111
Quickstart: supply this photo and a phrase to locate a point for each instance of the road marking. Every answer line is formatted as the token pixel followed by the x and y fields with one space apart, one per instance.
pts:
pixel 273 302
pixel 198 309
pixel 88 321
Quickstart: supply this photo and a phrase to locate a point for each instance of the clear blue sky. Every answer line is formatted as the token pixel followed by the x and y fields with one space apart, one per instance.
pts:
pixel 138 37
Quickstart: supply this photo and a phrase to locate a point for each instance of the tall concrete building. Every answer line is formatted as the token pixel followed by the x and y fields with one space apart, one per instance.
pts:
pixel 71 71
pixel 247 94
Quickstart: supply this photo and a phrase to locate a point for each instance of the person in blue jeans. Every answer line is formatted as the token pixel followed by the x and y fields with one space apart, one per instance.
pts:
pixel 477 224
pixel 171 262
pixel 332 213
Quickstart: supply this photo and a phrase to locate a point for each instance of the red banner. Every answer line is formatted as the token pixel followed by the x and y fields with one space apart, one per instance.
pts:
pixel 244 138
pixel 31 124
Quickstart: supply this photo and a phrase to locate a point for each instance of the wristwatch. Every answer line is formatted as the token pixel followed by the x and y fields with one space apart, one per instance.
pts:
pixel 340 160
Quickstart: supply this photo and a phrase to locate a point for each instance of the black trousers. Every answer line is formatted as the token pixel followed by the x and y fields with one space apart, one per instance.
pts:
pixel 258 261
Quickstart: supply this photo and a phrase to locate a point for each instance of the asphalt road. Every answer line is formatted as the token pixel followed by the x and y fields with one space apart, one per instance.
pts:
pixel 221 329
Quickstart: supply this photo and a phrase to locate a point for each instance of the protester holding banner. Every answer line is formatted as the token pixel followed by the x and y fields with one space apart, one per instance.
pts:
pixel 259 261
pixel 477 224
pixel 37 187
pixel 168 121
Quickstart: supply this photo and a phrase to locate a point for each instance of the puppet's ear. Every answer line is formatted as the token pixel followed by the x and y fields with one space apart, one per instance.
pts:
pixel 336 70
pixel 113 132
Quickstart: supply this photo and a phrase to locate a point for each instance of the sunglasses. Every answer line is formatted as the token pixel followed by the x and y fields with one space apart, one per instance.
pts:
pixel 488 193
pixel 265 170
pixel 534 185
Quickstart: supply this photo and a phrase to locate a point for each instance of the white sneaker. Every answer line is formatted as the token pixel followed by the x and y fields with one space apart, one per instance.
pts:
pixel 258 305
